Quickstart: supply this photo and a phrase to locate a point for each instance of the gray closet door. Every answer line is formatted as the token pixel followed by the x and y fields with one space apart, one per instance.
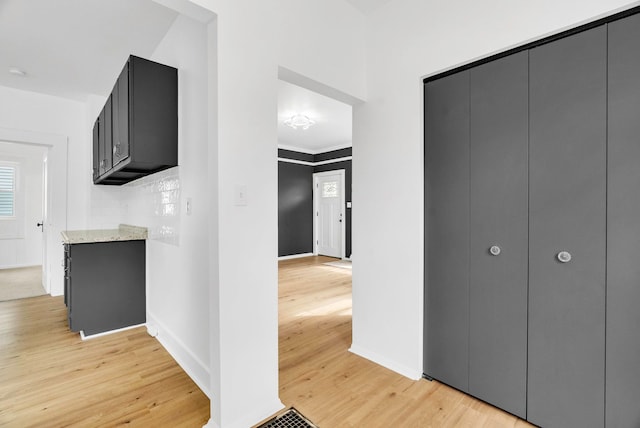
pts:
pixel 499 215
pixel 447 240
pixel 567 213
pixel 623 223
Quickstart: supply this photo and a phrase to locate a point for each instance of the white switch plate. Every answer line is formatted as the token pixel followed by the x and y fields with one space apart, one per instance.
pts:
pixel 241 196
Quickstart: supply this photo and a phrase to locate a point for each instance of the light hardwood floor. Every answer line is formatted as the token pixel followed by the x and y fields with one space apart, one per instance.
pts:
pixel 51 378
pixel 334 388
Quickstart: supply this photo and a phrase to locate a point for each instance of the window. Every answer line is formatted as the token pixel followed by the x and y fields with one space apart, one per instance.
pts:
pixel 7 191
pixel 330 189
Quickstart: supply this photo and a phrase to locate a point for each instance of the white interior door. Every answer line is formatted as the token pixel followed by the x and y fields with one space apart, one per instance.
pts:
pixel 329 213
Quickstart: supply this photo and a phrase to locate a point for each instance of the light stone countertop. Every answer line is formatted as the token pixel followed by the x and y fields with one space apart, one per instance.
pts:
pixel 124 232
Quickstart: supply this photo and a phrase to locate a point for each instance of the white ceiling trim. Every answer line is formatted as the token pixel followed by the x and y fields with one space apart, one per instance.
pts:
pixel 314 152
pixel 325 162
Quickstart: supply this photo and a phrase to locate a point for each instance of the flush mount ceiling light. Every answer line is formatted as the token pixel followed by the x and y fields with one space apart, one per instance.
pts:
pixel 299 121
pixel 17 71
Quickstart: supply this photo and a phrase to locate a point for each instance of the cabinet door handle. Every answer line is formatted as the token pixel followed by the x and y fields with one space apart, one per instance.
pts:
pixel 495 250
pixel 564 257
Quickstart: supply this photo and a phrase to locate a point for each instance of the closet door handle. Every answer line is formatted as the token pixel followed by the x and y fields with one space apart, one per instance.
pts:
pixel 564 257
pixel 495 250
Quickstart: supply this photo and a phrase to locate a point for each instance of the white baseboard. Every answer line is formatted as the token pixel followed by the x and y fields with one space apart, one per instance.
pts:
pixel 385 362
pixel 295 256
pixel 195 369
pixel 93 336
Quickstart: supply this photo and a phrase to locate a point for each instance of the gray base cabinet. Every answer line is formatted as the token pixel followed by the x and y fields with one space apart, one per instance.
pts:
pixel 105 285
pixel 532 192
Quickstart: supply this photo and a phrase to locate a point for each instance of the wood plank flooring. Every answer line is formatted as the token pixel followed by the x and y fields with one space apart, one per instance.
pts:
pixel 334 388
pixel 51 378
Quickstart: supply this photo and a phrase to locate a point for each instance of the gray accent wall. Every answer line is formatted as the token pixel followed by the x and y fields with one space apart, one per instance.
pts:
pixel 295 209
pixel 295 199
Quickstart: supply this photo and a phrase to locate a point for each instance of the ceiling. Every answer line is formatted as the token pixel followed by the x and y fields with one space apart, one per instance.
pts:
pixel 71 48
pixel 367 6
pixel 332 128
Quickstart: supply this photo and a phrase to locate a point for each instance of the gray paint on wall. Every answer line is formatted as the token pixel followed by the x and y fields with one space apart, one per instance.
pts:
pixel 334 154
pixel 295 209
pixel 290 154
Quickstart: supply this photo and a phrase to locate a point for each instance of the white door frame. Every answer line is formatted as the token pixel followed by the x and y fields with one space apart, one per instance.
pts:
pixel 316 204
pixel 56 219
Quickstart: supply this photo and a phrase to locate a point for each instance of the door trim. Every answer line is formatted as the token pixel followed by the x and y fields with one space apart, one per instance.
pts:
pixel 316 202
pixel 55 219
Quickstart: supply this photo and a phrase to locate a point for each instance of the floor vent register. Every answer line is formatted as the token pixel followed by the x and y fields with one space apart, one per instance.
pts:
pixel 289 419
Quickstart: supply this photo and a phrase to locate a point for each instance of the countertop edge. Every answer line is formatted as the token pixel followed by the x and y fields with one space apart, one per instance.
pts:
pixel 124 232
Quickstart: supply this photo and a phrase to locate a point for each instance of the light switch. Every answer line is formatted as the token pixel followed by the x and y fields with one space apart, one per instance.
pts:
pixel 241 196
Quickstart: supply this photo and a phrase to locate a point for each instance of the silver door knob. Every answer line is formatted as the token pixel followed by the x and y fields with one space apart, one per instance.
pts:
pixel 564 256
pixel 494 250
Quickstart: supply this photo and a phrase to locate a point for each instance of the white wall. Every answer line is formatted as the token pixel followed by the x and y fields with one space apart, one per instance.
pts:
pixel 25 249
pixel 323 40
pixel 407 40
pixel 177 251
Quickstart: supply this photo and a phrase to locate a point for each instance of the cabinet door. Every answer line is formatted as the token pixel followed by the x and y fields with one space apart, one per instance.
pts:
pixel 567 213
pixel 102 142
pixel 121 117
pixel 107 127
pixel 623 225
pixel 96 149
pixel 107 284
pixel 499 217
pixel 447 239
pixel 104 139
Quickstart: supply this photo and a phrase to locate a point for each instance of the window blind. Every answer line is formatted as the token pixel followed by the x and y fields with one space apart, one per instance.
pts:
pixel 7 191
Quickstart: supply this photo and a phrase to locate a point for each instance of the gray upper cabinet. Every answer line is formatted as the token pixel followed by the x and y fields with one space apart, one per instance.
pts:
pixel 96 149
pixel 532 227
pixel 120 142
pixel 498 232
pixel 623 218
pixel 105 138
pixel 567 213
pixel 138 128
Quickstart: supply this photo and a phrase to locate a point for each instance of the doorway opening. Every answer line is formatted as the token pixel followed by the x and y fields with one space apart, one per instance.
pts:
pixel 314 229
pixel 23 201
